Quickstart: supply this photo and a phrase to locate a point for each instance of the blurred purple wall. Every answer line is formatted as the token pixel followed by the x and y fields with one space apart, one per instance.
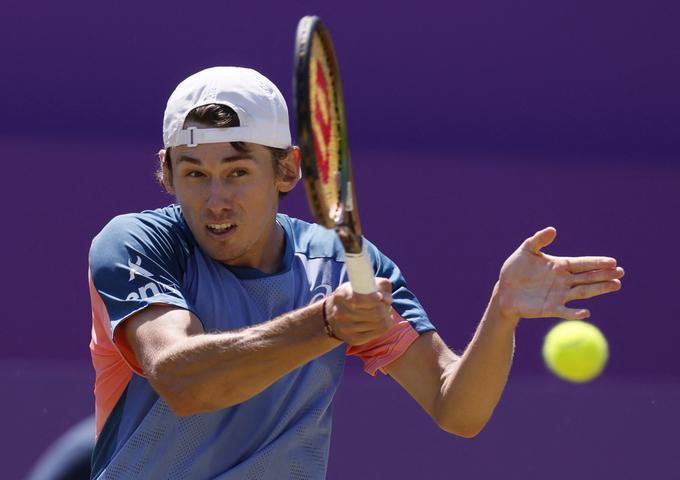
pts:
pixel 472 126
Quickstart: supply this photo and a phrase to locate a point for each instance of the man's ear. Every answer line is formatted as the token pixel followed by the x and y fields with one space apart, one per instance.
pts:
pixel 165 172
pixel 289 171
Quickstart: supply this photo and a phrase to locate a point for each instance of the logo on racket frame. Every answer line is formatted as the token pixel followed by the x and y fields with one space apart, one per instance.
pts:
pixel 323 120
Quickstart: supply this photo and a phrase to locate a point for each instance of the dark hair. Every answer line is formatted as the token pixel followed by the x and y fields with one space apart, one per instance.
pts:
pixel 215 115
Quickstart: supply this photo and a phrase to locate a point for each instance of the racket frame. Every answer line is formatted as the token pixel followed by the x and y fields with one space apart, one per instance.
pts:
pixel 344 218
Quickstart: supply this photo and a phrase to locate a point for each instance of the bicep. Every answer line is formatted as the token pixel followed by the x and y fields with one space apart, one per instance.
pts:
pixel 421 370
pixel 145 336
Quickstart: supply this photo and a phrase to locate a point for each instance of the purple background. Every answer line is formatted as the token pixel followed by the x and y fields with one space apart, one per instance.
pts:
pixel 472 126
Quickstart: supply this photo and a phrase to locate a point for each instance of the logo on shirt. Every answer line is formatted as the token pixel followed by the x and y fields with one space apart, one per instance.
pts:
pixel 149 290
pixel 136 269
pixel 319 292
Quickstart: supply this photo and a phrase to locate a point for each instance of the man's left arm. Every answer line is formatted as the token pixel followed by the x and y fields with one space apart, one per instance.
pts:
pixel 460 393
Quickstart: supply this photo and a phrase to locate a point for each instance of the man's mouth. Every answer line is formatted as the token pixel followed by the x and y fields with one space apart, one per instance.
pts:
pixel 220 228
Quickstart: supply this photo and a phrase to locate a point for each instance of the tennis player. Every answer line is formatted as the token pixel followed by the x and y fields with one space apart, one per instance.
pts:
pixel 220 327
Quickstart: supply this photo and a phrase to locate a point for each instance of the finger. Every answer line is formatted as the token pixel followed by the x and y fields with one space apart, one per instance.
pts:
pixel 363 335
pixel 367 327
pixel 348 314
pixel 368 301
pixel 382 314
pixel 581 292
pixel 540 239
pixel 357 300
pixel 384 287
pixel 386 298
pixel 586 264
pixel 572 313
pixel 382 295
pixel 597 276
pixel 383 284
pixel 363 325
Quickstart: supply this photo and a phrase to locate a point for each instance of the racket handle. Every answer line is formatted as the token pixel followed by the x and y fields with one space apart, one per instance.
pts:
pixel 360 271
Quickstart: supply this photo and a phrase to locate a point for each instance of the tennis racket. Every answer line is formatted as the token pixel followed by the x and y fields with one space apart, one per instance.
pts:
pixel 322 135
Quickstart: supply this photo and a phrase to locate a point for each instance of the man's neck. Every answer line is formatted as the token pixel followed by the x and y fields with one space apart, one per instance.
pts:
pixel 273 256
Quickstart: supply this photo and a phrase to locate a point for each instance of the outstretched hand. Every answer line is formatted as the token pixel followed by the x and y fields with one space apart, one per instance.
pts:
pixel 533 284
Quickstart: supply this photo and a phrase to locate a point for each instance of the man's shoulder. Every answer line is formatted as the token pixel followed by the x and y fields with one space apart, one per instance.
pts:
pixel 161 219
pixel 147 227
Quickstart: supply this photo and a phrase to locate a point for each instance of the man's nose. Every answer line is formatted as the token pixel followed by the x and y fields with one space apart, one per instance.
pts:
pixel 220 197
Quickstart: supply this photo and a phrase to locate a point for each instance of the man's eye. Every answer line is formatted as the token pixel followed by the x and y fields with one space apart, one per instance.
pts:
pixel 238 173
pixel 194 174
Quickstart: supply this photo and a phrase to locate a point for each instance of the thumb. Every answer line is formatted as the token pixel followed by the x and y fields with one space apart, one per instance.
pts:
pixel 540 239
pixel 384 287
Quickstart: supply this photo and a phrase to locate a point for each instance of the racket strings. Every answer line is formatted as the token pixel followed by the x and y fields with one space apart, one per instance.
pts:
pixel 326 128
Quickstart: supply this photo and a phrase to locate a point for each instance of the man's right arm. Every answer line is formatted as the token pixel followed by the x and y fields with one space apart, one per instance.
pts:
pixel 197 372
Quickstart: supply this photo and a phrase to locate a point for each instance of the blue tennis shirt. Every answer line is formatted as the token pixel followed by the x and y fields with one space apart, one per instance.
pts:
pixel 150 258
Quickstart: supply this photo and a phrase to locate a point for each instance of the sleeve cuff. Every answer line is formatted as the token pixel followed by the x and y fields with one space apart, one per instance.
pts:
pixel 384 350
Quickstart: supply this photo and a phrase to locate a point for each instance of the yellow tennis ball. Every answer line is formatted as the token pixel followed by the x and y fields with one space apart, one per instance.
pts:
pixel 575 351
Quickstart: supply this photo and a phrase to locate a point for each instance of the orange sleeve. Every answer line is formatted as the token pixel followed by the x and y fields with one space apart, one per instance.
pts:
pixel 386 349
pixel 112 370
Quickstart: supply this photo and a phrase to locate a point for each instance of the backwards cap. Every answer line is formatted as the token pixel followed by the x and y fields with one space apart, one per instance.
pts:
pixel 261 109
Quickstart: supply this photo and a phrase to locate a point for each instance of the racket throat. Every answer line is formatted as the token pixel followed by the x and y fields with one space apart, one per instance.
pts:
pixel 351 242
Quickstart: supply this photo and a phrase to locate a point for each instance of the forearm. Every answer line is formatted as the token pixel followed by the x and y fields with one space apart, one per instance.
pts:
pixel 472 385
pixel 216 370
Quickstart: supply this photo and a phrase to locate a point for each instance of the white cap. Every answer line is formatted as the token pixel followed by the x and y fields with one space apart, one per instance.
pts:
pixel 261 109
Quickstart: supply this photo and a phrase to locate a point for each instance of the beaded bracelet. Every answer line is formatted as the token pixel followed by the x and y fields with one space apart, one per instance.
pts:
pixel 327 326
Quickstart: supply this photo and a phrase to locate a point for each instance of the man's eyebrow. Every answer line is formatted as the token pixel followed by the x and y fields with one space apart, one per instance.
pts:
pixel 230 158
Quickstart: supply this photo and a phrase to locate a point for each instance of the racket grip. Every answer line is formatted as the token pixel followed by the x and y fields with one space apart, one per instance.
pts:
pixel 360 271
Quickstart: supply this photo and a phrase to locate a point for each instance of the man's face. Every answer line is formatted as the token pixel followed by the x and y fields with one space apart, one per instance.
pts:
pixel 229 200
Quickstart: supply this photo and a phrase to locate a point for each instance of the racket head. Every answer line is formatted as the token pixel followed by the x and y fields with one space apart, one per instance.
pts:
pixel 322 132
